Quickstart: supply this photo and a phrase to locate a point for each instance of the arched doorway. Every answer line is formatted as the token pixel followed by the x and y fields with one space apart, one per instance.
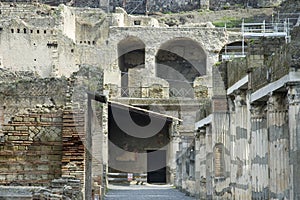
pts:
pixel 131 54
pixel 179 61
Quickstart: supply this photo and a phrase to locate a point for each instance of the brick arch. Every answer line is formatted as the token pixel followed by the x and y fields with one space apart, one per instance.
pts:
pixel 180 61
pixel 131 54
pixel 129 43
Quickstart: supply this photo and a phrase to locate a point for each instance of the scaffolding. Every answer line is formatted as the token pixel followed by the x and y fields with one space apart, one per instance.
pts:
pixel 281 26
pixel 277 29
pixel 132 5
pixel 231 52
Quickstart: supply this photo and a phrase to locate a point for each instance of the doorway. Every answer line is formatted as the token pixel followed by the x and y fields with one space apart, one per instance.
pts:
pixel 156 166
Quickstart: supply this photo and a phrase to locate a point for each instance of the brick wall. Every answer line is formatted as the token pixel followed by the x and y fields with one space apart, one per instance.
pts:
pixel 31 149
pixel 73 144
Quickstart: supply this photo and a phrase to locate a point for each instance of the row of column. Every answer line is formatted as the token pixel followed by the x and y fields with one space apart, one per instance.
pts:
pixel 264 143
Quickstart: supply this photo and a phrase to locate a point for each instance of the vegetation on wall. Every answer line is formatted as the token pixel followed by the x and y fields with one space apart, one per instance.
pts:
pixel 231 22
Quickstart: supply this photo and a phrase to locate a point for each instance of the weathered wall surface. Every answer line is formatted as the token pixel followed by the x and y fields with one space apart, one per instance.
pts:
pixel 42 131
pixel 31 149
pixel 257 136
pixel 46 49
pixel 31 123
pixel 152 6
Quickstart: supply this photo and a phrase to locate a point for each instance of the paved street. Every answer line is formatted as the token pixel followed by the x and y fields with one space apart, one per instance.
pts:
pixel 145 192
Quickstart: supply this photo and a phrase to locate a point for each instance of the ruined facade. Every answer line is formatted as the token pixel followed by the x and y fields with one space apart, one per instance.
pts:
pixel 51 56
pixel 153 6
pixel 246 147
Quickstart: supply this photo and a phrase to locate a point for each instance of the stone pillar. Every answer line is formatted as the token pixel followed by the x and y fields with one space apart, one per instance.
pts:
pixel 104 146
pixel 200 167
pixel 259 149
pixel 209 163
pixel 241 146
pixel 97 151
pixel 233 149
pixel 294 128
pixel 179 164
pixel 150 60
pixel 173 149
pixel 185 177
pixel 278 147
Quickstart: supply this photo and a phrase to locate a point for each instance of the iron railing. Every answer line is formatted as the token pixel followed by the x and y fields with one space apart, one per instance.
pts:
pixel 181 92
pixel 149 92
pixel 231 52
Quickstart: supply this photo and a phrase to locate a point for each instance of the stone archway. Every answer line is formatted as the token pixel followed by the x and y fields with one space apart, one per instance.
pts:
pixel 179 61
pixel 131 54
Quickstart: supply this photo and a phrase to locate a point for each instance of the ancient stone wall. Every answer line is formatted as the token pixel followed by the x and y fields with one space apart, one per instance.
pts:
pixel 73 137
pixel 42 130
pixel 31 149
pixel 42 42
pixel 152 6
pixel 31 129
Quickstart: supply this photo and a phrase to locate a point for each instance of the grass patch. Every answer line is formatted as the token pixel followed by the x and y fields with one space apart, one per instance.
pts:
pixel 231 22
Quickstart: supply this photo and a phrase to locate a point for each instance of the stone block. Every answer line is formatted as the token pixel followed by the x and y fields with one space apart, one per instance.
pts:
pixel 18 119
pixel 31 119
pixel 57 148
pixel 43 167
pixel 24 137
pixel 11 177
pixel 15 167
pixel 28 167
pixel 46 119
pixel 21 128
pixel 2 177
pixel 20 177
pixel 57 119
pixel 55 157
pixel 46 148
pixel 13 138
pixel 8 128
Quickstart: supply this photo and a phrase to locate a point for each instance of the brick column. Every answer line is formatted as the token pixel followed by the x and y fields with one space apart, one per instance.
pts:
pixel 294 128
pixel 259 150
pixel 278 147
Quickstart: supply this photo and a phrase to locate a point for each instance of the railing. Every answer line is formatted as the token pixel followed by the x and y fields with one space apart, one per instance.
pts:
pixel 265 29
pixel 159 92
pixel 130 92
pixel 232 52
pixel 291 18
pixel 181 92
